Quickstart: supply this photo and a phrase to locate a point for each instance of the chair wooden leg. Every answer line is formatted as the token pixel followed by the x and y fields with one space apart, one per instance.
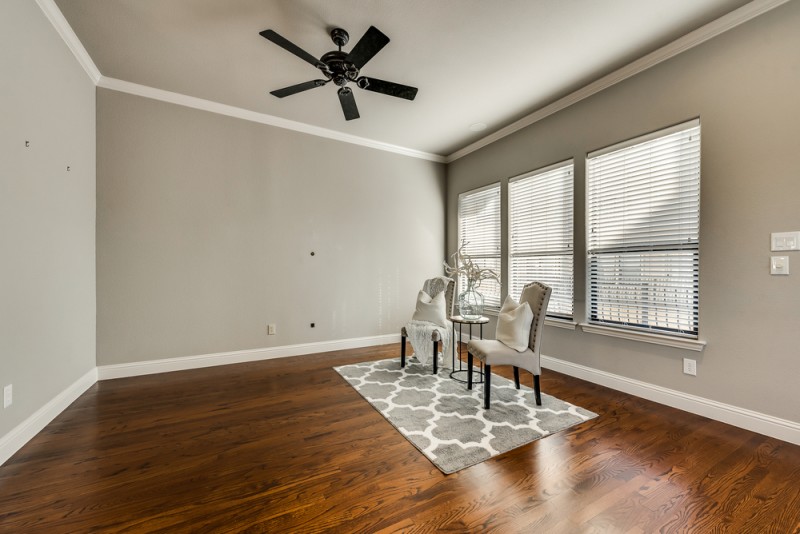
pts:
pixel 469 370
pixel 537 389
pixel 402 351
pixel 436 357
pixel 487 379
pixel 516 376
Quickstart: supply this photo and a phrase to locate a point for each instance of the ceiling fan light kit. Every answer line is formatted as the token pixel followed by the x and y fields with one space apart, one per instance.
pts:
pixel 341 68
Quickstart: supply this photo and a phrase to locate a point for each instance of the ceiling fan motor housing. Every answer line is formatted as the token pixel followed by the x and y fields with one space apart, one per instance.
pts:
pixel 339 68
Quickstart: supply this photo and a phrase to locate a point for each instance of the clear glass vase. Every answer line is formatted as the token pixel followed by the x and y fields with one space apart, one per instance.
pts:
pixel 470 303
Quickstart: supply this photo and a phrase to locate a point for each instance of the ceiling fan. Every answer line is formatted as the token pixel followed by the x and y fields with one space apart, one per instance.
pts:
pixel 342 68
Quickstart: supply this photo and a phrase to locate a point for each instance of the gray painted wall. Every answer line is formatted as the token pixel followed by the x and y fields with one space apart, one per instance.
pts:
pixel 47 215
pixel 206 223
pixel 744 86
pixel 206 226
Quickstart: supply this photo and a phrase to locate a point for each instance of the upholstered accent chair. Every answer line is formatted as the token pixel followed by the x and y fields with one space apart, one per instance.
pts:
pixel 432 287
pixel 492 352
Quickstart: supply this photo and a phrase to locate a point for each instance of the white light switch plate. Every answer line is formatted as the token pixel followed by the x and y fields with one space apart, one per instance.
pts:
pixel 779 265
pixel 785 241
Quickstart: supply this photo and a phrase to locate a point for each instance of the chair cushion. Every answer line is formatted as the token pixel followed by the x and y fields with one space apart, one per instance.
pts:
pixel 514 324
pixel 430 309
pixel 493 352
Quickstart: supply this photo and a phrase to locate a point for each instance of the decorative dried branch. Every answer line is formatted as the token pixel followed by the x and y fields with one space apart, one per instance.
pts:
pixel 463 265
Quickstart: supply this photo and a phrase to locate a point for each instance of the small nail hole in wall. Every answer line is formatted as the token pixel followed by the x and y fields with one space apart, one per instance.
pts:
pixel 68 169
pixel 312 325
pixel 27 144
pixel 312 253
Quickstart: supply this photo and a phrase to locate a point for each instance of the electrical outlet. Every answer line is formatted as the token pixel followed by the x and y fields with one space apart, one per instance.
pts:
pixel 690 366
pixel 8 396
pixel 271 329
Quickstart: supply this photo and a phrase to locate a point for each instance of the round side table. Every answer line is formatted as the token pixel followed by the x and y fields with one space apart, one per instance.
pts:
pixel 462 368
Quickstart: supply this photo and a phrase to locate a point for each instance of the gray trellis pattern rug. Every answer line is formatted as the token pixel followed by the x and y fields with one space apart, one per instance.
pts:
pixel 447 422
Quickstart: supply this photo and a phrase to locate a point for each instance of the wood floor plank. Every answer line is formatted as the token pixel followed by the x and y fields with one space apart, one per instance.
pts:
pixel 286 445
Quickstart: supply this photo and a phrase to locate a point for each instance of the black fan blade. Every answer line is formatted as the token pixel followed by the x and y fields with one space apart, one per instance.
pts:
pixel 387 88
pixel 290 47
pixel 348 103
pixel 370 44
pixel 293 89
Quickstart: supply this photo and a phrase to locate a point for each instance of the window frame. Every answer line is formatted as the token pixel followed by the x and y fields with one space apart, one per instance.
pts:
pixel 489 307
pixel 645 332
pixel 569 250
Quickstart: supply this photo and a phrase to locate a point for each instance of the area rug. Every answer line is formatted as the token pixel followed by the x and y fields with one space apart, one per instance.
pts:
pixel 447 422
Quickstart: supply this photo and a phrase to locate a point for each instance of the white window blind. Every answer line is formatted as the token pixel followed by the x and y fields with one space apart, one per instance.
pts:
pixel 540 245
pixel 479 228
pixel 643 217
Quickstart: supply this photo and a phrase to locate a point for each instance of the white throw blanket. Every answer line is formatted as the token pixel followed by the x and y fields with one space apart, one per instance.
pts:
pixel 420 333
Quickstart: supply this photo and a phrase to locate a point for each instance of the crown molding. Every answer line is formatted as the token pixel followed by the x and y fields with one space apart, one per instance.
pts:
pixel 56 18
pixel 254 116
pixel 678 46
pixel 59 22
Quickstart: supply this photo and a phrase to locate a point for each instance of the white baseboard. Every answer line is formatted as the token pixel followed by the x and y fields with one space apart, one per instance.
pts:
pixel 768 425
pixel 26 430
pixel 757 422
pixel 122 370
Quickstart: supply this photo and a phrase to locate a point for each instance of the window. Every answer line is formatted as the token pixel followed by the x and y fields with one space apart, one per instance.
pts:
pixel 643 218
pixel 479 228
pixel 540 245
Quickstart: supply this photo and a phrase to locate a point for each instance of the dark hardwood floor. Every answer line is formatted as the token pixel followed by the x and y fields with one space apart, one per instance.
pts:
pixel 288 446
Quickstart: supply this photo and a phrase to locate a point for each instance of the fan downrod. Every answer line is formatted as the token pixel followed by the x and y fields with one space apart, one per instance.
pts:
pixel 338 66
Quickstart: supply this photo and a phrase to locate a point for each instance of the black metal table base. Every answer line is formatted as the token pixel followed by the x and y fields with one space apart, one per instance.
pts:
pixel 477 376
pixel 477 373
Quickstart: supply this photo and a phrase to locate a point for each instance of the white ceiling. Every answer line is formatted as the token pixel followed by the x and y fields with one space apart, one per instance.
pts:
pixel 472 60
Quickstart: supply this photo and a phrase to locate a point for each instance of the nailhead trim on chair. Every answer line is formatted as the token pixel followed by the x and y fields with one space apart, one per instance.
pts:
pixel 532 343
pixel 538 309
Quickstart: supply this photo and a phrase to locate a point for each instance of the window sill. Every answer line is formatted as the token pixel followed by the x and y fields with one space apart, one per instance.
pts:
pixel 560 323
pixel 657 339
